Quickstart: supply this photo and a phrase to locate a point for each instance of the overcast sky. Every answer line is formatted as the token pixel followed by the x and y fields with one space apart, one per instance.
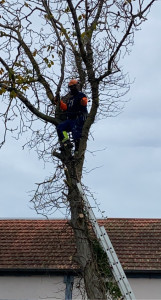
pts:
pixel 127 177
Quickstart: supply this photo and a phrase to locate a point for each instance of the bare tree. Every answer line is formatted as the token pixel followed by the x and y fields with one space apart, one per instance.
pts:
pixel 43 42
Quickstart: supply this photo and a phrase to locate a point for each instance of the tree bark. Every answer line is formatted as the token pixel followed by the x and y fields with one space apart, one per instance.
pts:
pixel 85 256
pixel 94 283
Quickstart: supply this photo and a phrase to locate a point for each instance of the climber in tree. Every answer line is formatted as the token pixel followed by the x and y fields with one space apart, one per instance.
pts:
pixel 76 114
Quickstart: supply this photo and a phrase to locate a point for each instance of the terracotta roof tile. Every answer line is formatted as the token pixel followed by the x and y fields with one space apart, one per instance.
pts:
pixel 49 244
pixel 137 242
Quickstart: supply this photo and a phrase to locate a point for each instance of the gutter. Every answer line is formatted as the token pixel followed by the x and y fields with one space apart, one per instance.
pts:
pixel 143 274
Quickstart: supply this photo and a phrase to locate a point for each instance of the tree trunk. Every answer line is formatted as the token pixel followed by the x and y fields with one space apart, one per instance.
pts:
pixel 94 284
pixel 85 257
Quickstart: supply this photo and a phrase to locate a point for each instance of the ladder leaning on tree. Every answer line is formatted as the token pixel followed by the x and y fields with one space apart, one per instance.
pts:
pixel 106 244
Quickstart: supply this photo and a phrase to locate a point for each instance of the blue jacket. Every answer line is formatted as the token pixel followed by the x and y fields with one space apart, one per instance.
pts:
pixel 76 105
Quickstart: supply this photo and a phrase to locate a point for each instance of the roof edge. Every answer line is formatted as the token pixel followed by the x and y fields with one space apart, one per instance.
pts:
pixel 143 274
pixel 36 272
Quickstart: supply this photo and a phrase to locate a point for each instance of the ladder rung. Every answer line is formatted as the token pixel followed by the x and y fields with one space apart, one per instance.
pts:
pixel 106 244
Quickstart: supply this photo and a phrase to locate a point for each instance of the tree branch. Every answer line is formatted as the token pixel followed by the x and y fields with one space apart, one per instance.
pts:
pixel 112 58
pixel 53 22
pixel 77 28
pixel 28 104
pixel 100 5
pixel 28 52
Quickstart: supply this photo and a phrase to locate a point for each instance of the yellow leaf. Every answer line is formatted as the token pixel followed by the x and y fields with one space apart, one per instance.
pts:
pixel 80 18
pixel 67 9
pixel 2 91
pixel 34 53
pixel 1 71
pixel 83 34
pixel 63 30
pixel 13 94
pixel 46 60
pixel 25 87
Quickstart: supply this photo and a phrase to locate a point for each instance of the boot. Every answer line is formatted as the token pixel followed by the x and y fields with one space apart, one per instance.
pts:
pixel 65 145
pixel 68 144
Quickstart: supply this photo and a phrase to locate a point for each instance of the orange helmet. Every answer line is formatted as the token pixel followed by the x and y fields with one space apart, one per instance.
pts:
pixel 73 82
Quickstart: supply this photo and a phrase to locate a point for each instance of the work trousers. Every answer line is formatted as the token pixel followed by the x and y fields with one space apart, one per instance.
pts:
pixel 74 126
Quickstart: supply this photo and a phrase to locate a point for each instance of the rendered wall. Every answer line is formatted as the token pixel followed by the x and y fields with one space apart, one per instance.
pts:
pixel 53 288
pixel 147 289
pixel 32 288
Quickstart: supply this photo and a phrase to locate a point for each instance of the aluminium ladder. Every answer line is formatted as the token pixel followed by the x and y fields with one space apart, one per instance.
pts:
pixel 106 244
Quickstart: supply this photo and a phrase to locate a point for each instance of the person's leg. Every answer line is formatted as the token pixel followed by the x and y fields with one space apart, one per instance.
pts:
pixel 62 130
pixel 77 131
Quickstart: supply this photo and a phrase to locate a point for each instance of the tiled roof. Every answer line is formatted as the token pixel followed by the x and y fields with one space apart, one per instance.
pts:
pixel 49 244
pixel 137 242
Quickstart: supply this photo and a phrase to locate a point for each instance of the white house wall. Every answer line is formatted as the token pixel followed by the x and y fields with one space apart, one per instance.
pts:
pixel 32 288
pixel 147 289
pixel 53 288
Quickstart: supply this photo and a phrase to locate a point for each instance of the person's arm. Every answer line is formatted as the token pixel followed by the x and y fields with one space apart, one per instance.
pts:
pixel 84 101
pixel 63 106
